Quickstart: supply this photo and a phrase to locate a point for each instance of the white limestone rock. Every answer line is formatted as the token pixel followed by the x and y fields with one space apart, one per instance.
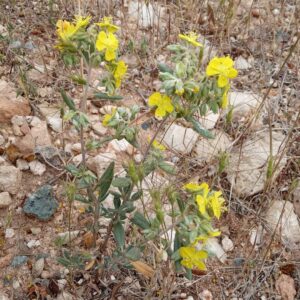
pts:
pixel 5 200
pixel 181 139
pixel 288 228
pixel 37 168
pixel 247 168
pixel 206 149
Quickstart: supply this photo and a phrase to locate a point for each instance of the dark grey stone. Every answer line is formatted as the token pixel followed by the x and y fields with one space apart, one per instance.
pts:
pixel 41 203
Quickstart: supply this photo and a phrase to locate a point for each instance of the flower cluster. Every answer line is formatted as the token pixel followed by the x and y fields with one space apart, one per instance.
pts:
pixel 223 68
pixel 210 204
pixel 74 40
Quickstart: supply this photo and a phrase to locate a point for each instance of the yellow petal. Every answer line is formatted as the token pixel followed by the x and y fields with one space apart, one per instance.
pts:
pixel 222 81
pixel 110 54
pixel 201 201
pixel 232 73
pixel 101 40
pixel 155 99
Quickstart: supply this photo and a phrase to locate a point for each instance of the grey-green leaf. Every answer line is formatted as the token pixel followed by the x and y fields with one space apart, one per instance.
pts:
pixel 106 180
pixel 119 234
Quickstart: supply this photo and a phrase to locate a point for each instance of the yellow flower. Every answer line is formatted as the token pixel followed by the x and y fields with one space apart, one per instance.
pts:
pixel 82 22
pixel 108 117
pixel 108 42
pixel 191 257
pixel 224 101
pixel 106 24
pixel 179 92
pixel 222 66
pixel 196 89
pixel 163 103
pixel 216 202
pixel 191 38
pixel 195 187
pixel 120 72
pixel 66 30
pixel 158 146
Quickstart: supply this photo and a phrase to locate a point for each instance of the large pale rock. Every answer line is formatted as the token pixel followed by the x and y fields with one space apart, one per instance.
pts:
pixel 288 227
pixel 243 103
pixel 145 15
pixel 247 168
pixel 10 179
pixel 10 104
pixel 206 149
pixel 209 120
pixel 180 139
pixel 25 146
pixel 212 246
pixel 100 162
pixel 5 200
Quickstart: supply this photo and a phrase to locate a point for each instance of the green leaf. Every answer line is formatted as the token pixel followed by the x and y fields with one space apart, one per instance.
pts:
pixel 168 168
pixel 106 180
pixel 69 101
pixel 78 79
pixel 104 96
pixel 81 198
pixel 198 128
pixel 164 68
pixel 121 182
pixel 136 195
pixel 72 169
pixel 139 220
pixel 119 234
pixel 133 253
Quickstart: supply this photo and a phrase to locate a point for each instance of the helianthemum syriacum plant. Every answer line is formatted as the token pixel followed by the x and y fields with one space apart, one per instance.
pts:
pixel 187 90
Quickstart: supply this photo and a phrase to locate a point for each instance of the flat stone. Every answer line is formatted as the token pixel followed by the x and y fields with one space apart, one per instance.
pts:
pixel 38 267
pixel 41 203
pixel 10 179
pixel 209 121
pixel 9 233
pixel 10 103
pixel 241 63
pixel 180 138
pixel 247 168
pixel 5 200
pixel 19 260
pixel 212 245
pixel 37 168
pixel 244 103
pixel 121 146
pixel 33 244
pixel 56 123
pixel 207 149
pixel 288 228
pixel 99 129
pixel 22 164
pixel 227 244
pixel 100 162
pixel 67 236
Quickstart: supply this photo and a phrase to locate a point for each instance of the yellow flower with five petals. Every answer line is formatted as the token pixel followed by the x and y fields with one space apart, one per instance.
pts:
pixel 66 30
pixel 191 257
pixel 163 104
pixel 223 67
pixel 109 43
pixel 191 38
pixel 106 24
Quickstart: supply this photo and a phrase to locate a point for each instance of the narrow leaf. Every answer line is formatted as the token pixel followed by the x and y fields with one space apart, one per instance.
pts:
pixel 104 96
pixel 119 234
pixel 139 220
pixel 106 180
pixel 69 101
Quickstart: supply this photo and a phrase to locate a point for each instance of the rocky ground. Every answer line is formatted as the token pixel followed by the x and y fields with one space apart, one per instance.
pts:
pixel 258 254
